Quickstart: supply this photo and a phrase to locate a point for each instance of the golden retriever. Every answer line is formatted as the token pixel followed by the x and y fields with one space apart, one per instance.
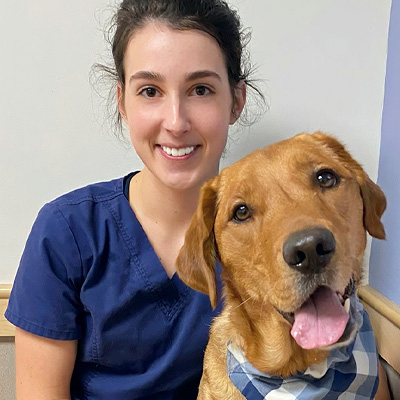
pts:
pixel 287 222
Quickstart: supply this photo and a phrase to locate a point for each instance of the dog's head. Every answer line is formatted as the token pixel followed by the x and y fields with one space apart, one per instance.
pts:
pixel 287 222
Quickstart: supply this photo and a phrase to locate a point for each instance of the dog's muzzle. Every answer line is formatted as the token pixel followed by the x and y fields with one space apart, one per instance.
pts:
pixel 327 318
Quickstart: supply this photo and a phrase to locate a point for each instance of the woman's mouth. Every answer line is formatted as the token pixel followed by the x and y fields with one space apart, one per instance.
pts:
pixel 177 152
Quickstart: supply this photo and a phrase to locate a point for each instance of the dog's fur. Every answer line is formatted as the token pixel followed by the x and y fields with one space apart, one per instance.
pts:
pixel 279 186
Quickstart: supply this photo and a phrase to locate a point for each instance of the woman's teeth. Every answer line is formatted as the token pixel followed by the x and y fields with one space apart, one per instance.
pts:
pixel 171 151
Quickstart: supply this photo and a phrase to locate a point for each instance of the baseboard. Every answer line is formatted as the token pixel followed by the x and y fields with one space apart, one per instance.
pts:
pixel 385 320
pixel 6 329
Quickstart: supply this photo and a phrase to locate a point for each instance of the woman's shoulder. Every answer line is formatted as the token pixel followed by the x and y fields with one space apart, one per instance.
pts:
pixel 94 192
pixel 82 202
pixel 83 211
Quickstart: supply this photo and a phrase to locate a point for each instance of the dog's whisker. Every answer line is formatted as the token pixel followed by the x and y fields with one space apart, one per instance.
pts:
pixel 262 306
pixel 265 300
pixel 243 302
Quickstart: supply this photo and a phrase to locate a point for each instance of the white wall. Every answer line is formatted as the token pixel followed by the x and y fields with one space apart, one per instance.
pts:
pixel 323 62
pixel 52 138
pixel 324 65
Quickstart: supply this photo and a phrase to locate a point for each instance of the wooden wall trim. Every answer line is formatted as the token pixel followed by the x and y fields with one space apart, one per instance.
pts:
pixel 380 303
pixel 6 329
pixel 5 290
pixel 385 320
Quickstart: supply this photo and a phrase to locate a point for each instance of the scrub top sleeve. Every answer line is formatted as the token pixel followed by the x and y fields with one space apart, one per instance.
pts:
pixel 45 296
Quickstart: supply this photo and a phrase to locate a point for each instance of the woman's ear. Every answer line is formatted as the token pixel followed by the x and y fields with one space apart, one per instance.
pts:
pixel 120 100
pixel 239 100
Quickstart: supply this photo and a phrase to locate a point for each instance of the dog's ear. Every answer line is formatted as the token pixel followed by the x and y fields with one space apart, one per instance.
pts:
pixel 374 206
pixel 196 260
pixel 373 197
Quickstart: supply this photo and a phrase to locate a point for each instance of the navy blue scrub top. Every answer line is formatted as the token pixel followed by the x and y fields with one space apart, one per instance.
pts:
pixel 89 272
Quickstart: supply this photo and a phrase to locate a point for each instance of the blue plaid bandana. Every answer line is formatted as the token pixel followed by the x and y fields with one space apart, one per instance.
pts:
pixel 349 373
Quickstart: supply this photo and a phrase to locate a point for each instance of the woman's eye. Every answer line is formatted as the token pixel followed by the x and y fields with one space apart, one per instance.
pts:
pixel 327 179
pixel 201 90
pixel 148 92
pixel 241 213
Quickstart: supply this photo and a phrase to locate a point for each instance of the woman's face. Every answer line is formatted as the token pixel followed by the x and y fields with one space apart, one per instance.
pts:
pixel 178 103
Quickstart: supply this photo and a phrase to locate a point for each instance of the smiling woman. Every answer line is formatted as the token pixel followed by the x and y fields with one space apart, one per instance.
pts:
pixel 96 300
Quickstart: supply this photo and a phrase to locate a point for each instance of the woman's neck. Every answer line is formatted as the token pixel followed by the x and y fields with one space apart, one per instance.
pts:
pixel 164 214
pixel 168 207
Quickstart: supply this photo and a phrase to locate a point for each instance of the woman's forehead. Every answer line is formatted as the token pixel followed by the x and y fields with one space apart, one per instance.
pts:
pixel 157 47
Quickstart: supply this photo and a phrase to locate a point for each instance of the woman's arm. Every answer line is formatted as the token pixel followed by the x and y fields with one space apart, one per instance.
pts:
pixel 43 366
pixel 383 388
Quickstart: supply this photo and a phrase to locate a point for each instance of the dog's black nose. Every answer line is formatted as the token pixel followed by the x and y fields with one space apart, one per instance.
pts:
pixel 309 250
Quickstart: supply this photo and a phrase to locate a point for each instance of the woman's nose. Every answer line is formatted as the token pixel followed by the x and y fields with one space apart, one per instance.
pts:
pixel 175 119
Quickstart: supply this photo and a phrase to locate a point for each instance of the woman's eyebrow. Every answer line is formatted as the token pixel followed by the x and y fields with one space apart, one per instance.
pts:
pixel 155 76
pixel 202 74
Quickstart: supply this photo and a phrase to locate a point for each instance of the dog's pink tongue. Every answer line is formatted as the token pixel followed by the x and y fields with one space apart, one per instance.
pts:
pixel 321 321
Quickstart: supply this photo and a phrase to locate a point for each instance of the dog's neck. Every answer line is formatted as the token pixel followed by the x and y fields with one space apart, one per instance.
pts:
pixel 265 338
pixel 349 368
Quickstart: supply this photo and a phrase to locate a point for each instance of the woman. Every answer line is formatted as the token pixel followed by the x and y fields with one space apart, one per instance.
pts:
pixel 99 310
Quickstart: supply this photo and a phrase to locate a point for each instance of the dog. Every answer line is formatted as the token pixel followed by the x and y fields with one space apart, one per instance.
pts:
pixel 288 225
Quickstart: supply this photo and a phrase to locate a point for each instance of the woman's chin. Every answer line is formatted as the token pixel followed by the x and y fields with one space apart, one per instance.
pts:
pixel 184 181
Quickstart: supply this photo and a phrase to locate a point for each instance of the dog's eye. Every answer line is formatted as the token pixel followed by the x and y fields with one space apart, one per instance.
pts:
pixel 327 178
pixel 241 213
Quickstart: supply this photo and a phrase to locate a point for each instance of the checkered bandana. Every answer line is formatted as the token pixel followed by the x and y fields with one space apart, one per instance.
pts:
pixel 349 373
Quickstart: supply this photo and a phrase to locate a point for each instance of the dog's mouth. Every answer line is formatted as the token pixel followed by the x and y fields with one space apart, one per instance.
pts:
pixel 322 319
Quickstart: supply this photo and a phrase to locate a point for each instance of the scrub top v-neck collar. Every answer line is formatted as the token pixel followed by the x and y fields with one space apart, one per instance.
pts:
pixel 171 292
